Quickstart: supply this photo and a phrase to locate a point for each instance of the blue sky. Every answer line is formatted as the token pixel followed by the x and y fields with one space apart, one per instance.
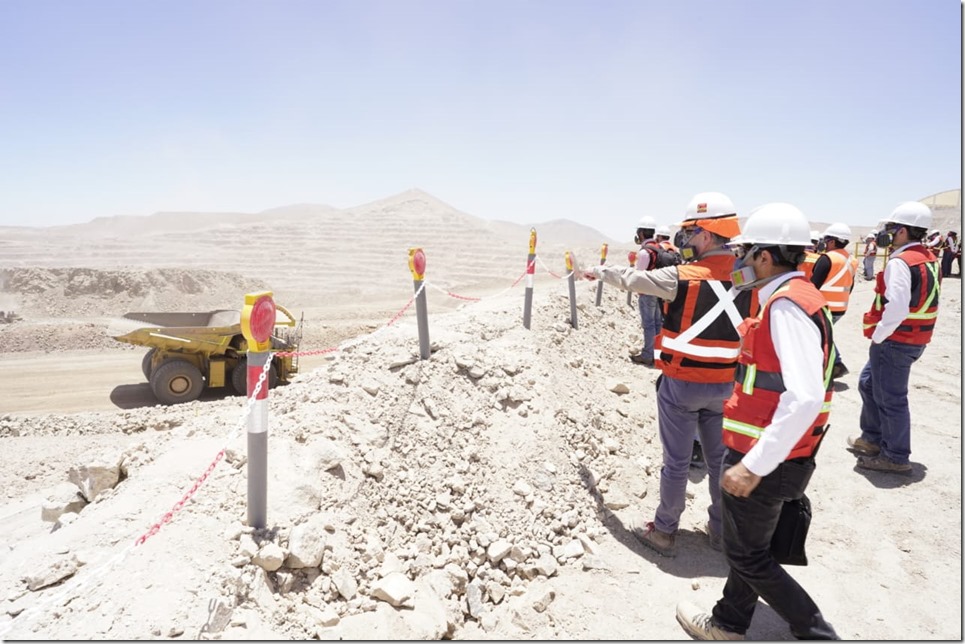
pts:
pixel 595 111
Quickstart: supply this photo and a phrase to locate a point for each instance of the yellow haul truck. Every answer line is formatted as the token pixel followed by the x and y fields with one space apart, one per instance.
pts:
pixel 191 351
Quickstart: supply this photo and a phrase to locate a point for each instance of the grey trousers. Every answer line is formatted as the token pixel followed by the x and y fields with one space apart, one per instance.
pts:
pixel 682 408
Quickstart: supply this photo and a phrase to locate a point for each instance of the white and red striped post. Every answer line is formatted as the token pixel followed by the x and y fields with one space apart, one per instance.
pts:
pixel 257 324
pixel 599 286
pixel 417 266
pixel 530 270
pixel 632 259
pixel 572 285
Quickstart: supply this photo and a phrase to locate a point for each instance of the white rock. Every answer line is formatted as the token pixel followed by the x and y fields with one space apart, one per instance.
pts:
pixel 345 583
pixel 522 488
pixel 395 589
pixel 306 545
pixel 270 557
pixel 94 478
pixel 497 550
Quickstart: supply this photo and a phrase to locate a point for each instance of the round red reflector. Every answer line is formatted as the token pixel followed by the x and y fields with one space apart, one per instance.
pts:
pixel 262 320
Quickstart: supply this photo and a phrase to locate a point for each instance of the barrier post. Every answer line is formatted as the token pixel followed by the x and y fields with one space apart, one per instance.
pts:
pixel 632 259
pixel 530 269
pixel 417 266
pixel 572 280
pixel 599 285
pixel 257 324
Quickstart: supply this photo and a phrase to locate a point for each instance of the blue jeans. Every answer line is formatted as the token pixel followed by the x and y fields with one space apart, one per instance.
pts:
pixel 883 384
pixel 749 524
pixel 651 318
pixel 684 408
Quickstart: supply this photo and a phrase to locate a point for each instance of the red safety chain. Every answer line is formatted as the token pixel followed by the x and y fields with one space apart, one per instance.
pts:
pixel 462 297
pixel 180 504
pixel 314 352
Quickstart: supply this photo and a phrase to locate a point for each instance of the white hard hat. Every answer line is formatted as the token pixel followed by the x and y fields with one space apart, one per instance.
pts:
pixel 814 235
pixel 647 222
pixel 911 213
pixel 777 224
pixel 934 232
pixel 838 231
pixel 707 205
pixel 663 230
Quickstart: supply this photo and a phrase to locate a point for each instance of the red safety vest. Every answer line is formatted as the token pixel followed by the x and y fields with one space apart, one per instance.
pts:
pixel 808 264
pixel 699 341
pixel 837 287
pixel 917 328
pixel 758 382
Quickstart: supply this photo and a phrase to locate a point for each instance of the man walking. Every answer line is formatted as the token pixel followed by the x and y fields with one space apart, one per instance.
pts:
pixel 950 250
pixel 773 423
pixel 833 275
pixel 900 325
pixel 698 350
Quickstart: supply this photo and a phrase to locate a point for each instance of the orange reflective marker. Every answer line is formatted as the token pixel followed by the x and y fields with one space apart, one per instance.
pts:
pixel 417 266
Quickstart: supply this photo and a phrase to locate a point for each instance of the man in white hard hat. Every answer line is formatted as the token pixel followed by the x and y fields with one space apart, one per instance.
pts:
pixel 650 317
pixel 774 422
pixel 900 325
pixel 950 250
pixel 870 254
pixel 833 275
pixel 698 350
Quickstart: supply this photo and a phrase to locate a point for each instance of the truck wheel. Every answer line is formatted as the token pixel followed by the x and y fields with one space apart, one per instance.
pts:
pixel 239 377
pixel 177 381
pixel 146 363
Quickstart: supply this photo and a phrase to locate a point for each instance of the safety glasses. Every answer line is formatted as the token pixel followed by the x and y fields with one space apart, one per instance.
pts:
pixel 745 250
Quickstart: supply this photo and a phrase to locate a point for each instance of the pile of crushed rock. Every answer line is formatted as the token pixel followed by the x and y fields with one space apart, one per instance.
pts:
pixel 455 488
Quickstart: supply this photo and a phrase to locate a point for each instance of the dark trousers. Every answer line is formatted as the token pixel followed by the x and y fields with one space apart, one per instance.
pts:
pixel 947 259
pixel 748 526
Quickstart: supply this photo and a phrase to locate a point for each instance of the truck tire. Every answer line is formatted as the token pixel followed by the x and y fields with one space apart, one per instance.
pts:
pixel 239 377
pixel 146 363
pixel 177 381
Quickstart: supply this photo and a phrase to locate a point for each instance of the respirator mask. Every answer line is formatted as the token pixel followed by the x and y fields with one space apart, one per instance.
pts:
pixel 822 245
pixel 682 241
pixel 887 236
pixel 743 277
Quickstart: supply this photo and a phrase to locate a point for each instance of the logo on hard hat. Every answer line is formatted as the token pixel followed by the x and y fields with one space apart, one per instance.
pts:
pixel 701 207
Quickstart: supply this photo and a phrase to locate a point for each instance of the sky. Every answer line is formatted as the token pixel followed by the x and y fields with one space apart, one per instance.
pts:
pixel 597 111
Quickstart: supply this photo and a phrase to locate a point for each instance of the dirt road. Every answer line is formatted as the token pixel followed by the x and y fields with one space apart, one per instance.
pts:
pixel 76 381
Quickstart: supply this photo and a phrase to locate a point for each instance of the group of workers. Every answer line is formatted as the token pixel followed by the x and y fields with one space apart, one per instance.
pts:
pixel 747 358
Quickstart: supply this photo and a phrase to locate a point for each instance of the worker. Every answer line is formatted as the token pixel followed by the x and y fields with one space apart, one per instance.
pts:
pixel 652 254
pixel 870 254
pixel 833 275
pixel 811 254
pixel 900 324
pixel 773 425
pixel 698 351
pixel 950 251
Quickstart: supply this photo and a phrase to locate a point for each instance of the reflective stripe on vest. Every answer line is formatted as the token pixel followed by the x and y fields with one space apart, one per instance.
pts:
pixel 725 304
pixel 837 287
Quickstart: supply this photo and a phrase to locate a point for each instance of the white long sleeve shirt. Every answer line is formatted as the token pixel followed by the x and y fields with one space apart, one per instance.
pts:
pixel 797 342
pixel 898 293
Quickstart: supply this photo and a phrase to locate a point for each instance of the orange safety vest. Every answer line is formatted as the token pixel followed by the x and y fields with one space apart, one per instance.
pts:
pixel 808 264
pixel 758 382
pixel 837 287
pixel 699 341
pixel 666 245
pixel 917 328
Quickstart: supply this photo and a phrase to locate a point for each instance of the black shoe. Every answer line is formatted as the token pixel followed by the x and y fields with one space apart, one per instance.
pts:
pixel 641 359
pixel 697 457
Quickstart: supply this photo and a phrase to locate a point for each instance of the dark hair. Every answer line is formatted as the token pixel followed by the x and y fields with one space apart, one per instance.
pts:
pixel 915 233
pixel 787 256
